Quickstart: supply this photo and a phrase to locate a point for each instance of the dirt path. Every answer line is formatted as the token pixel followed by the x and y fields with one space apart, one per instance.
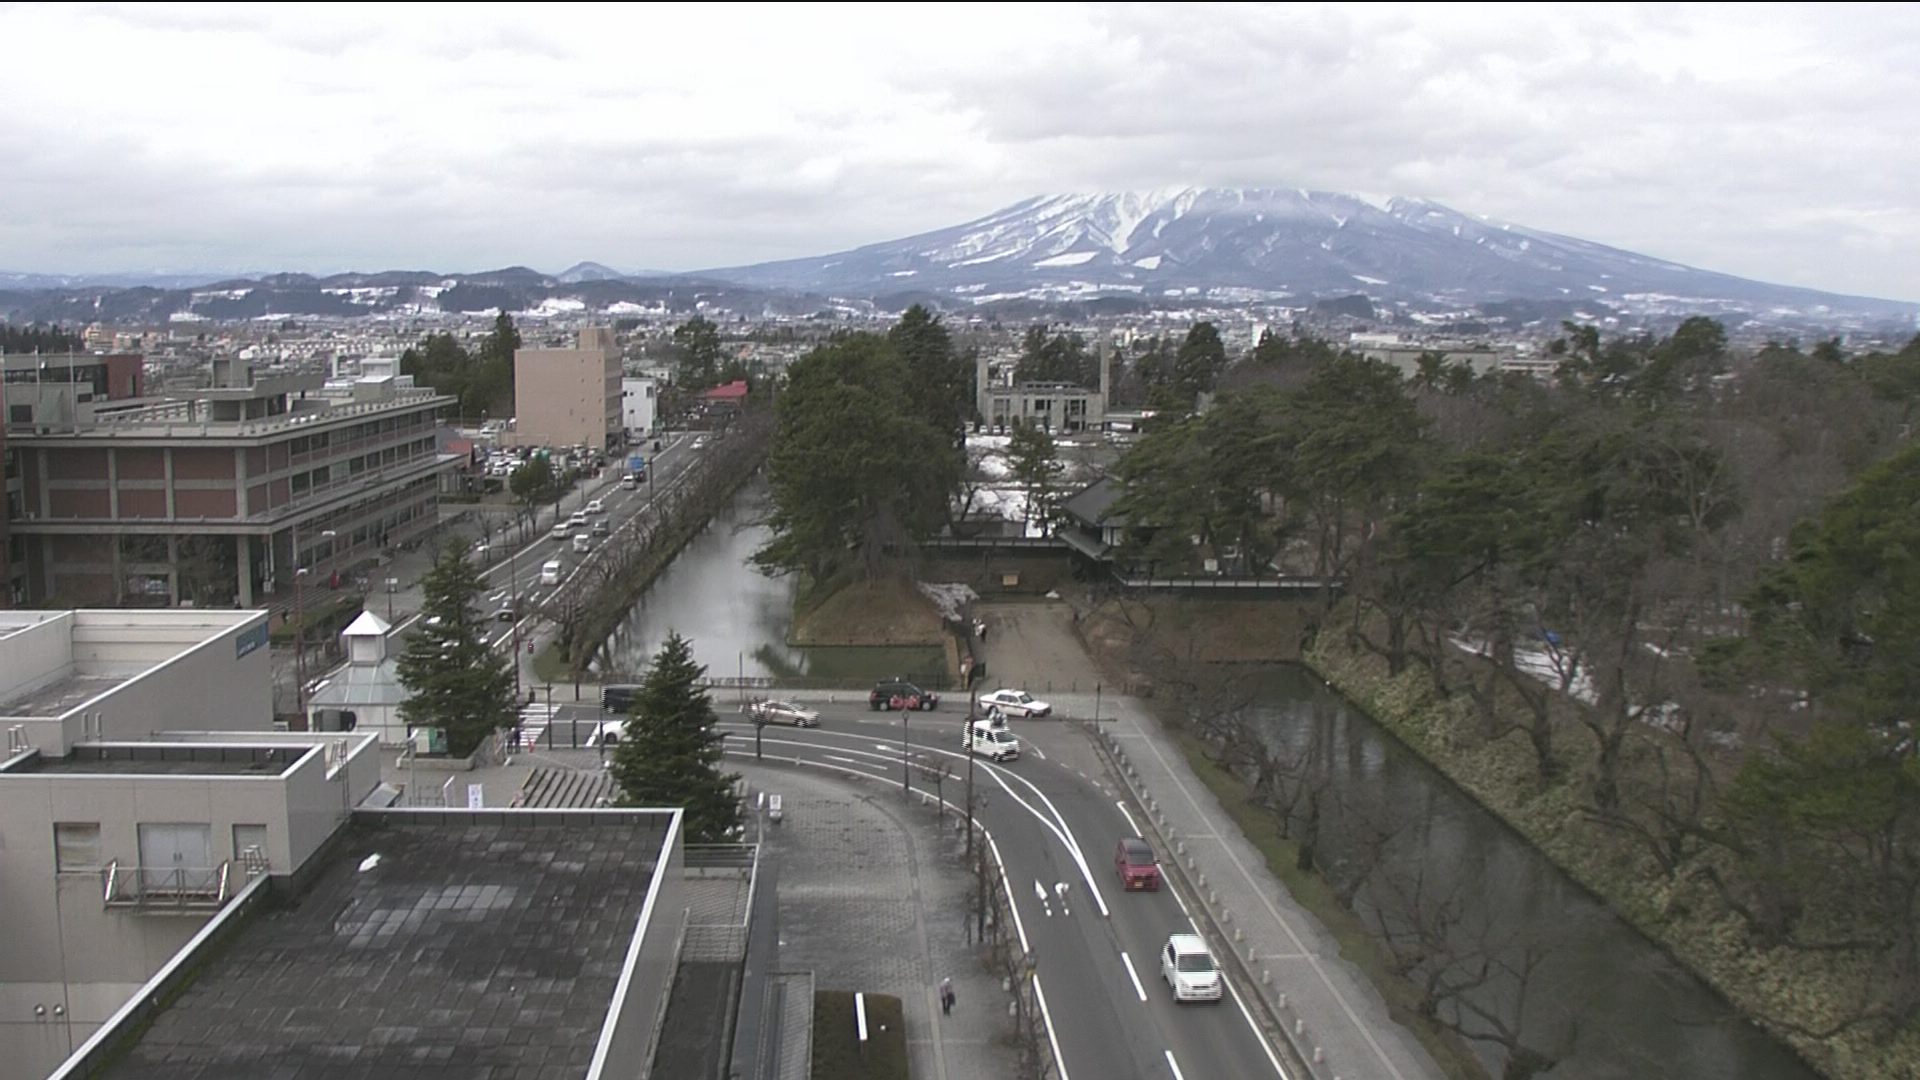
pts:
pixel 1033 646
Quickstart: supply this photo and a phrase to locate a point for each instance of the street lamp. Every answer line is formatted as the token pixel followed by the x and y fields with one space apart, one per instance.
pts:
pixel 513 603
pixel 300 625
pixel 906 771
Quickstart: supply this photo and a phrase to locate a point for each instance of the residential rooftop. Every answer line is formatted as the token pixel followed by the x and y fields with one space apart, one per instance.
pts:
pixel 479 945
pixel 160 759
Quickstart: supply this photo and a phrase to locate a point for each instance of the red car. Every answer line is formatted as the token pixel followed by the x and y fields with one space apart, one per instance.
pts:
pixel 1134 861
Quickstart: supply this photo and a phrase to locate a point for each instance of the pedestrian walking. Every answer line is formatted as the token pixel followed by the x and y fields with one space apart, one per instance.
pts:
pixel 946 997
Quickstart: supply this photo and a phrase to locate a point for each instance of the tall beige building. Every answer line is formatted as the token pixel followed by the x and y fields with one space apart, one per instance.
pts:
pixel 569 397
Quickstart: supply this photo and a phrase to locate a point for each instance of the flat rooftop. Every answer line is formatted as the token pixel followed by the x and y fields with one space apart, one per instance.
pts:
pixel 483 947
pixel 61 696
pixel 148 760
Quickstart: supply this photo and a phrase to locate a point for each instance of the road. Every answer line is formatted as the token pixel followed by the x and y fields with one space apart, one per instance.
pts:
pixel 513 580
pixel 1095 946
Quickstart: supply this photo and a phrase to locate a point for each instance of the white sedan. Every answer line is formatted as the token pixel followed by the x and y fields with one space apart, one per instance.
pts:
pixel 783 712
pixel 1016 703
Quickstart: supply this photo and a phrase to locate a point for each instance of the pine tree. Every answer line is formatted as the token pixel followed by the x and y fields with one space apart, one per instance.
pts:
pixel 670 754
pixel 459 684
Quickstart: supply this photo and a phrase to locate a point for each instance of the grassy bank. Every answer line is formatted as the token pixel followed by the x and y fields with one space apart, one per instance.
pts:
pixel 837 1054
pixel 1679 912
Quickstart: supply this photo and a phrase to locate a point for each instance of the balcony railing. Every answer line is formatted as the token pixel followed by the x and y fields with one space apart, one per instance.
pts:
pixel 178 887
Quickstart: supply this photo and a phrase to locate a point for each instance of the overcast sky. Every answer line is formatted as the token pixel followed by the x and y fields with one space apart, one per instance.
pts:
pixel 1776 143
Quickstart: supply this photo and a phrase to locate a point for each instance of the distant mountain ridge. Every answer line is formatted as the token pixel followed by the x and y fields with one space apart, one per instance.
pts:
pixel 1054 256
pixel 1288 245
pixel 399 293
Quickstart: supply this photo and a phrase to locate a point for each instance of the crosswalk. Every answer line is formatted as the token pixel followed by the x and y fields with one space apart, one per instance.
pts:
pixel 534 721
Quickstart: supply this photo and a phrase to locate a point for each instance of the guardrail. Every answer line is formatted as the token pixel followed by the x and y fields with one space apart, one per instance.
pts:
pixel 175 887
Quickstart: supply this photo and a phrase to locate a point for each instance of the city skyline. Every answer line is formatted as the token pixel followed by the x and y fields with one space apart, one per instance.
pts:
pixel 1770 143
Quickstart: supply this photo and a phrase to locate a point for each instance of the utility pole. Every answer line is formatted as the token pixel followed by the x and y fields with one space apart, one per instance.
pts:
pixel 513 602
pixel 906 770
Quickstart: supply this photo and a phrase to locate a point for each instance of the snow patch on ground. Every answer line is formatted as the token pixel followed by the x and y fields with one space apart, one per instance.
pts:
pixel 1071 258
pixel 1151 262
pixel 950 598
pixel 1368 280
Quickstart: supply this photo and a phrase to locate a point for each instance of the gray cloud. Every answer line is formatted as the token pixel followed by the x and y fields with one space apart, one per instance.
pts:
pixel 1774 142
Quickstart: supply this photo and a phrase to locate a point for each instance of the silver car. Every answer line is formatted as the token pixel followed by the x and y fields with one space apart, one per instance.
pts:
pixel 783 712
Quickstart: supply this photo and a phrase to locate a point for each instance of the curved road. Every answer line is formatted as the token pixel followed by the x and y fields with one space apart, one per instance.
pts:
pixel 1096 947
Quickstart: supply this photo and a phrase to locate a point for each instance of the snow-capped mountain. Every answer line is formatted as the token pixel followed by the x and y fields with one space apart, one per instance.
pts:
pixel 1280 244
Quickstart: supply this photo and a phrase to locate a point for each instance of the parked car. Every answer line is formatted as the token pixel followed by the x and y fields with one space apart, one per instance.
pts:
pixel 1016 703
pixel 900 694
pixel 1190 970
pixel 1133 860
pixel 783 712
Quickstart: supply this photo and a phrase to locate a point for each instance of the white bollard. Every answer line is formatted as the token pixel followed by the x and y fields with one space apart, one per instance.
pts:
pixel 1318 1055
pixel 1283 1001
pixel 1203 881
pixel 1299 1027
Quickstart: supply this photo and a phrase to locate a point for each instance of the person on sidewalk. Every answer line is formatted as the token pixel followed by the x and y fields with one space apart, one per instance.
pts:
pixel 946 997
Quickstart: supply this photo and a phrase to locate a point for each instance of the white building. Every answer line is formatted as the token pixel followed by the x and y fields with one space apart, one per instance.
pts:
pixel 119 837
pixel 365 695
pixel 639 401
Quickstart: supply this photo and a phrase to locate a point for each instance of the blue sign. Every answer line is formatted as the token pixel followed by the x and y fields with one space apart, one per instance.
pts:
pixel 636 463
pixel 250 639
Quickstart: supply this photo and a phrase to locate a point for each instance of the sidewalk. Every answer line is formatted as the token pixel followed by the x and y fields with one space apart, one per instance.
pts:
pixel 408 568
pixel 1289 960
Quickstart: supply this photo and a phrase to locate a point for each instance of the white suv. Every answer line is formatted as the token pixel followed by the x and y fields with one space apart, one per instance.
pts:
pixel 1190 971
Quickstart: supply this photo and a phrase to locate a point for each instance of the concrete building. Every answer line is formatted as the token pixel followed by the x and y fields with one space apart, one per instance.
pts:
pixel 45 389
pixel 1061 408
pixel 569 397
pixel 13 556
pixel 639 404
pixel 245 902
pixel 1405 357
pixel 92 801
pixel 216 497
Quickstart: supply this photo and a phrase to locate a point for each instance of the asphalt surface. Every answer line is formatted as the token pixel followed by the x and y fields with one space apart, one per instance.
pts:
pixel 1095 947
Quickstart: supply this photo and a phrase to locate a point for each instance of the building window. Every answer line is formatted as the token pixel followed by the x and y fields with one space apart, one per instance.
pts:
pixel 76 845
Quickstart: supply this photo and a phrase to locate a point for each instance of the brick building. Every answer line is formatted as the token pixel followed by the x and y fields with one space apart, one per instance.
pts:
pixel 213 498
pixel 48 388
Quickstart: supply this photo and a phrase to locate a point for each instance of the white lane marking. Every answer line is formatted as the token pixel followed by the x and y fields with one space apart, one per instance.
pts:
pixel 1313 961
pixel 1037 752
pixel 1174 1065
pixel 1046 1015
pixel 1062 830
pixel 1258 1036
pixel 1134 975
pixel 1177 899
pixel 1131 824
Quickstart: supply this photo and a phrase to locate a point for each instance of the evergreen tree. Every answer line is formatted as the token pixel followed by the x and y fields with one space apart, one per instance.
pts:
pixel 1198 364
pixel 458 683
pixel 855 472
pixel 671 754
pixel 698 341
pixel 938 377
pixel 1035 463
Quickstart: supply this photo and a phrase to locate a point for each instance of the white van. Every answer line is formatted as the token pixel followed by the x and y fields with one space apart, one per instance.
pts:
pixel 561 530
pixel 988 739
pixel 550 572
pixel 583 543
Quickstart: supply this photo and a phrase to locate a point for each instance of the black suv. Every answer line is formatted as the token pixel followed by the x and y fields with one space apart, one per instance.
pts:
pixel 901 694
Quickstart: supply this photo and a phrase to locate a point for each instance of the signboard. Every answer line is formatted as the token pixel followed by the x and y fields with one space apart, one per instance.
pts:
pixel 476 797
pixel 636 463
pixel 253 637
